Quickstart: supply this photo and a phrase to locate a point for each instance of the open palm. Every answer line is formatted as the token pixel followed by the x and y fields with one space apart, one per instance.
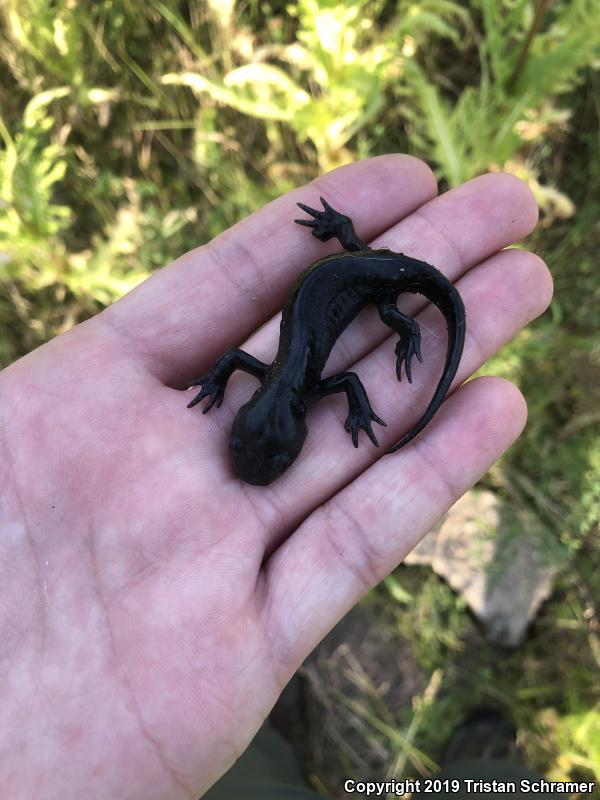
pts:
pixel 152 606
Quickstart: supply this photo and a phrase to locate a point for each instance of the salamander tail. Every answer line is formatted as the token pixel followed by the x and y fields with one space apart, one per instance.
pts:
pixel 447 299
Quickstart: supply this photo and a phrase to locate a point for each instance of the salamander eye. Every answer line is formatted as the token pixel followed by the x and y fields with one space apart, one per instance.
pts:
pixel 235 444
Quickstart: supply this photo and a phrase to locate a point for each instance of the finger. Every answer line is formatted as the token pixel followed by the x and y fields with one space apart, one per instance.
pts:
pixel 501 296
pixel 185 315
pixel 363 532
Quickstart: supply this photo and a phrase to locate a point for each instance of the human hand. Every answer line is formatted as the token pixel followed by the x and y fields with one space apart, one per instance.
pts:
pixel 152 606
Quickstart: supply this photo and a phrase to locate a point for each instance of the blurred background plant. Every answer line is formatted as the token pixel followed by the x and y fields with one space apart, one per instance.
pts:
pixel 132 132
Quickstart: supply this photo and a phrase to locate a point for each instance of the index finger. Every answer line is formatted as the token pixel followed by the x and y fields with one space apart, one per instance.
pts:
pixel 186 314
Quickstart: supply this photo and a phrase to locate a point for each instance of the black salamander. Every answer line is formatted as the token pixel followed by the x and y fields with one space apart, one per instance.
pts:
pixel 269 431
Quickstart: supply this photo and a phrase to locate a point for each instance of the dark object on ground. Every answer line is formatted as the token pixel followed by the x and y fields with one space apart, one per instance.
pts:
pixel 484 734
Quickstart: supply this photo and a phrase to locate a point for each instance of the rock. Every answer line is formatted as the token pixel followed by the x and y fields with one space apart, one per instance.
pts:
pixel 494 561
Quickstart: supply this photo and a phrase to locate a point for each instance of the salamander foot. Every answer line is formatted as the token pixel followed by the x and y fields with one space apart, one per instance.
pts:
pixel 211 388
pixel 329 223
pixel 325 224
pixel 408 346
pixel 361 420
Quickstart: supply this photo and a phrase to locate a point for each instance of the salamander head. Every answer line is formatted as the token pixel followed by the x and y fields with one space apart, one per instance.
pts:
pixel 266 437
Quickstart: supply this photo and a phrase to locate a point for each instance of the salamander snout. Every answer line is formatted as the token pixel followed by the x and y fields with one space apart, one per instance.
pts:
pixel 256 467
pixel 261 449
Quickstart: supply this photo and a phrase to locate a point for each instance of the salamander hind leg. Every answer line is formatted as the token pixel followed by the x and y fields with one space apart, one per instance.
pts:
pixel 214 381
pixel 360 413
pixel 330 223
pixel 409 343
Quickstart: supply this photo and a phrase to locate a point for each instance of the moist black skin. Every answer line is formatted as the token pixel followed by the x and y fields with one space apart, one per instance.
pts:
pixel 269 431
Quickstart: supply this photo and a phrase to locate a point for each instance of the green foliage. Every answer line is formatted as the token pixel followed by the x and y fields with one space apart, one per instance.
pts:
pixel 547 687
pixel 130 133
pixel 29 169
pixel 439 616
pixel 472 128
pixel 578 742
pixel 346 60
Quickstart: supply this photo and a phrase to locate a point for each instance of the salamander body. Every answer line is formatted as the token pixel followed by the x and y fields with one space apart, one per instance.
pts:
pixel 269 431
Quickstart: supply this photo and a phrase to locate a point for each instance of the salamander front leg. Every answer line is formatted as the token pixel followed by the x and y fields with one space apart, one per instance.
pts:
pixel 360 413
pixel 214 381
pixel 329 223
pixel 409 344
